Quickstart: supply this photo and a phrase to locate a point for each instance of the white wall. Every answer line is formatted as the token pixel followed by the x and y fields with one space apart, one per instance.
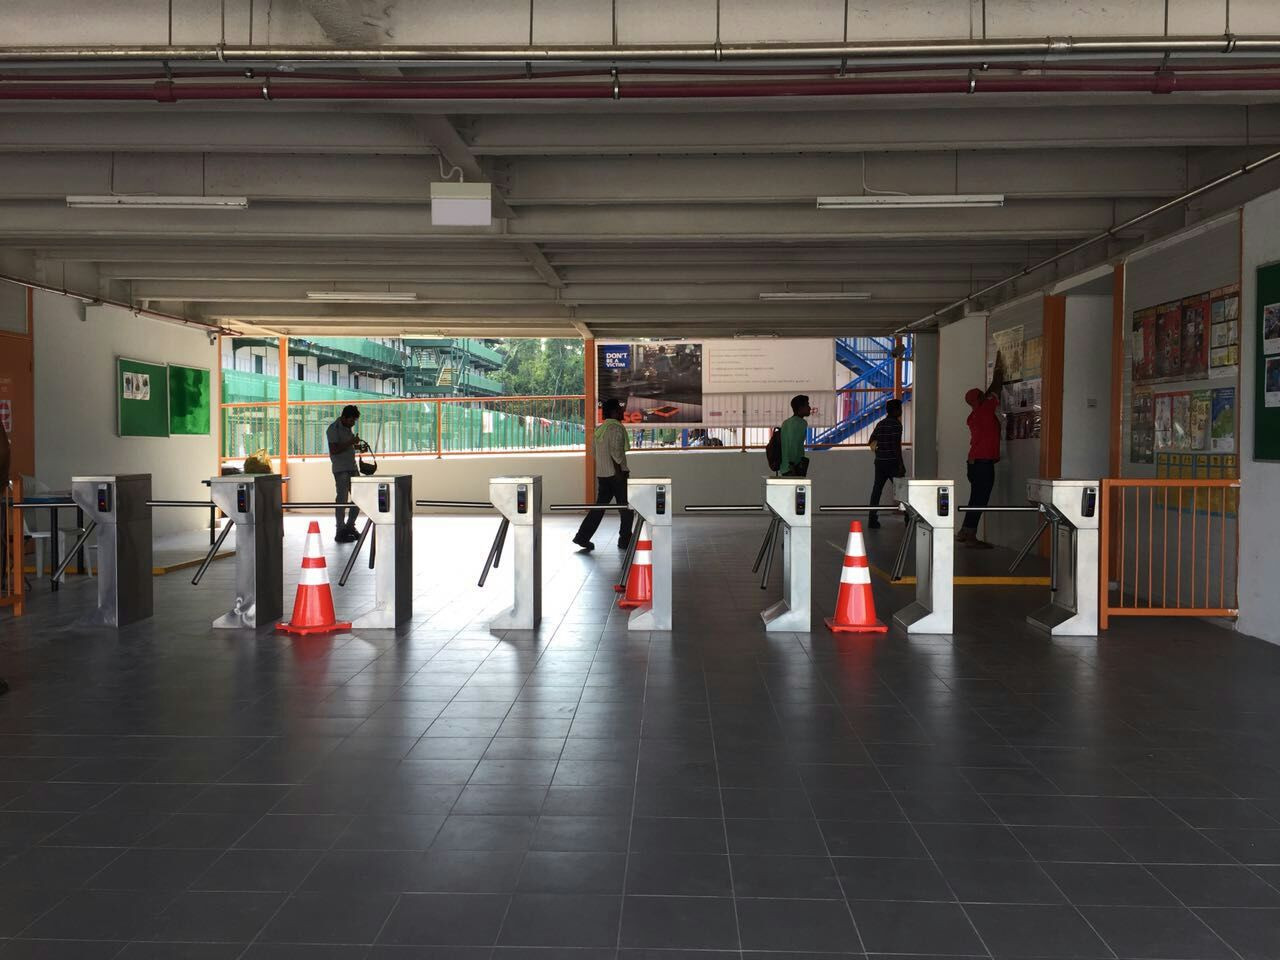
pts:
pixel 962 366
pixel 1086 386
pixel 1259 480
pixel 702 476
pixel 924 405
pixel 76 402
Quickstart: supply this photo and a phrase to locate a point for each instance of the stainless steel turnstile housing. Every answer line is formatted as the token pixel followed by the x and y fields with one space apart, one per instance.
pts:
pixel 388 503
pixel 790 499
pixel 519 500
pixel 1072 507
pixel 118 506
pixel 252 502
pixel 931 522
pixel 651 499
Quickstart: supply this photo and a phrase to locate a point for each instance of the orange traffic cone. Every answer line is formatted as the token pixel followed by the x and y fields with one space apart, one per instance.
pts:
pixel 640 579
pixel 313 604
pixel 855 606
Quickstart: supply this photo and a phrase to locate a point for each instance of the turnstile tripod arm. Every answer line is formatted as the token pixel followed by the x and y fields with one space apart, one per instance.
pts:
pixel 351 560
pixel 908 536
pixel 208 557
pixel 1026 547
pixel 771 542
pixel 764 547
pixel 494 551
pixel 71 554
pixel 630 556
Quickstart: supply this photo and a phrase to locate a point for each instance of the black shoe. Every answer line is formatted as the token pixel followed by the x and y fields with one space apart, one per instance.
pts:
pixel 345 536
pixel 873 524
pixel 585 545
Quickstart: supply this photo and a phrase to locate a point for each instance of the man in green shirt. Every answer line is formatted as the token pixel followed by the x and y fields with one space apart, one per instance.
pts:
pixel 794 462
pixel 611 446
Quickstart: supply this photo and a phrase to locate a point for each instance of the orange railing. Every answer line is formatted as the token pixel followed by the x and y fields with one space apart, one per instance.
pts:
pixel 1169 548
pixel 12 586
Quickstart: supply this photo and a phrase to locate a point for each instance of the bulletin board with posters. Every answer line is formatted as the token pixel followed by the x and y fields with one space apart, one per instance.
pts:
pixel 1266 422
pixel 1184 364
pixel 142 398
pixel 716 383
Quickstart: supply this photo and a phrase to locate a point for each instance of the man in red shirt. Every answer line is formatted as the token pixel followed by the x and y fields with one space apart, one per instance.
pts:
pixel 984 452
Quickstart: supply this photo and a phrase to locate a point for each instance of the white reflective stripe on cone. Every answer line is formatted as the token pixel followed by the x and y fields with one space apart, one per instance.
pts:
pixel 314 577
pixel 855 575
pixel 643 558
pixel 313 549
pixel 856 547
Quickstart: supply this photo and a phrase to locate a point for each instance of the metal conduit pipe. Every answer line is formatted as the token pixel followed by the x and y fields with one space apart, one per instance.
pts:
pixel 166 91
pixel 1241 171
pixel 101 302
pixel 1044 46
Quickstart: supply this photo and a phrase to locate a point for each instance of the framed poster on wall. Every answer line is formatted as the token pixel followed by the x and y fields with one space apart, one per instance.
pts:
pixel 142 398
pixel 1266 422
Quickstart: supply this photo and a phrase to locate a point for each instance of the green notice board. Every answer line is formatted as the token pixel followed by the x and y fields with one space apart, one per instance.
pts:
pixel 190 400
pixel 1266 422
pixel 142 398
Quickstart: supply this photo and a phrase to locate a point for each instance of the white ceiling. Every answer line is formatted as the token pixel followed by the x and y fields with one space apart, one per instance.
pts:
pixel 635 217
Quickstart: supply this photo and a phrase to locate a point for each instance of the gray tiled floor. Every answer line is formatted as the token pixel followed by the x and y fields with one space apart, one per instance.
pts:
pixel 177 792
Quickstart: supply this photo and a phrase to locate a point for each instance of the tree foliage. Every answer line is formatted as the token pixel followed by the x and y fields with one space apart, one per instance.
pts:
pixel 542 368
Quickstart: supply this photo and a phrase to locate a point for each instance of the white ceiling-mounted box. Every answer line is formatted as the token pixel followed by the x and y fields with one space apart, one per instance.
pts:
pixel 461 204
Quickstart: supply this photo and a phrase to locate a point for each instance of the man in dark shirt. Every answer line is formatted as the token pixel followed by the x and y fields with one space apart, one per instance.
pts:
pixel 344 443
pixel 984 452
pixel 886 441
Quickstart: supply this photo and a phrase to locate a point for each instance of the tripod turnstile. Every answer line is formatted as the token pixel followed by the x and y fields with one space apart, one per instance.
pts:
pixel 1071 508
pixel 650 498
pixel 519 500
pixel 387 502
pixel 930 522
pixel 790 501
pixel 252 503
pixel 117 508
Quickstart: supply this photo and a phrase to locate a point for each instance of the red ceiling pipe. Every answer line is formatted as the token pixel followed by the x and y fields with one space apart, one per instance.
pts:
pixel 624 89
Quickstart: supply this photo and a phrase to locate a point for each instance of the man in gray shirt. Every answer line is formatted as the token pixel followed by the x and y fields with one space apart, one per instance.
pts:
pixel 343 444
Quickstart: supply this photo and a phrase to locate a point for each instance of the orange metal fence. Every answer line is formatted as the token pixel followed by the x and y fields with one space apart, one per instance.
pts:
pixel 1169 548
pixel 11 547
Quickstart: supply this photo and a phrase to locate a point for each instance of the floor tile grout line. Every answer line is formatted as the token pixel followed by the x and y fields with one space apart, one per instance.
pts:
pixel 857 929
pixel 920 840
pixel 635 784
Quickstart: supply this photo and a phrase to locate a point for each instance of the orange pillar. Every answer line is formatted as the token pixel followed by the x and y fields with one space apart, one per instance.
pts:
pixel 1117 368
pixel 284 414
pixel 589 407
pixel 1051 365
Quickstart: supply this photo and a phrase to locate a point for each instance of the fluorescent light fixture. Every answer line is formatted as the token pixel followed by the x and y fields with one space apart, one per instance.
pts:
pixel 755 336
pixel 145 202
pixel 815 295
pixel 883 201
pixel 362 296
pixel 461 204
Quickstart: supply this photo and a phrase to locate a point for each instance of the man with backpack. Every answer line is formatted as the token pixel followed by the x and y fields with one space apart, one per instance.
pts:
pixel 791 458
pixel 886 442
pixel 611 446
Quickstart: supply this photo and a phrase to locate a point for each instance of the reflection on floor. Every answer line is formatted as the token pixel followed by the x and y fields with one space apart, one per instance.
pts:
pixel 587 793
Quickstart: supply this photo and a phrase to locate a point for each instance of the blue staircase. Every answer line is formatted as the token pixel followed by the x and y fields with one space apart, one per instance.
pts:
pixel 870 360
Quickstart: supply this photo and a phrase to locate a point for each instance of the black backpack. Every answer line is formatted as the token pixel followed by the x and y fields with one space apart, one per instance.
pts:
pixel 773 450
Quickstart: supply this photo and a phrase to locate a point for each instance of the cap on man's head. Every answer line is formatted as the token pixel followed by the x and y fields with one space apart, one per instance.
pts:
pixel 350 410
pixel 973 397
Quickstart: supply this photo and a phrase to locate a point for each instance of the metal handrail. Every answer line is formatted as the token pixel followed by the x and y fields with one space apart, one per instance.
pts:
pixel 860 508
pixel 575 507
pixel 206 504
pixel 458 504
pixel 725 508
